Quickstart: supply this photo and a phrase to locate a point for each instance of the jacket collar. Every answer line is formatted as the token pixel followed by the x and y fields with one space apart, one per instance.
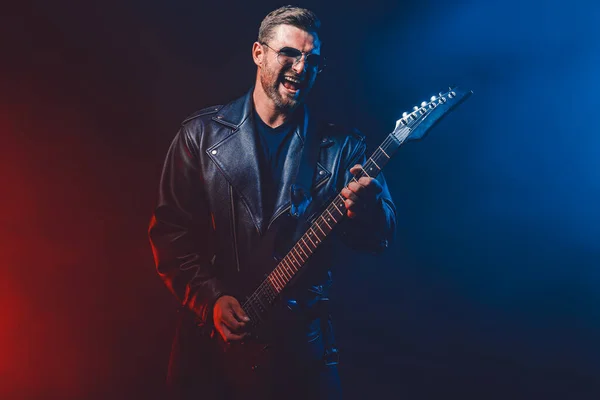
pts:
pixel 237 155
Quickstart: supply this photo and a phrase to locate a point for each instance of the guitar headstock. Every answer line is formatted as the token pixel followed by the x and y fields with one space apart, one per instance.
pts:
pixel 414 125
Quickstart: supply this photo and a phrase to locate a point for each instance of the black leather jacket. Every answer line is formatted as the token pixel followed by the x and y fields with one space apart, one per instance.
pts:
pixel 209 216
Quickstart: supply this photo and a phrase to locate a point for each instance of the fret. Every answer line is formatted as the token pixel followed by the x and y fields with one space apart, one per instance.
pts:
pixel 307 246
pixel 342 202
pixel 272 294
pixel 298 254
pixel 292 266
pixel 280 277
pixel 250 307
pixel 254 315
pixel 373 174
pixel 384 153
pixel 272 280
pixel 271 290
pixel 260 303
pixel 381 162
pixel 301 249
pixel 299 244
pixel 335 220
pixel 267 292
pixel 338 210
pixel 286 268
pixel 255 303
pixel 312 232
pixel 324 220
pixel 308 236
pixel 276 287
pixel 373 161
pixel 324 234
pixel 294 257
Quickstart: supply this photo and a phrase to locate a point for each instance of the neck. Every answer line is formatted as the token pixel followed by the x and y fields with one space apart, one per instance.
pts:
pixel 267 111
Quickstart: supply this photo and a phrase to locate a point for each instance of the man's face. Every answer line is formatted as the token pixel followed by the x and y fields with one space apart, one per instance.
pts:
pixel 288 93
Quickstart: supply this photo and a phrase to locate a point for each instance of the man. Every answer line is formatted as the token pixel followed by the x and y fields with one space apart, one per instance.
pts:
pixel 246 176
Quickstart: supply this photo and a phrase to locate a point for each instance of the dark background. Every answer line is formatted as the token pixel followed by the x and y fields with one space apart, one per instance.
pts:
pixel 491 288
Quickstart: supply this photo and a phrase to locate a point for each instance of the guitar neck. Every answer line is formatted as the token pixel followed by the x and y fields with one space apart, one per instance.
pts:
pixel 411 126
pixel 258 303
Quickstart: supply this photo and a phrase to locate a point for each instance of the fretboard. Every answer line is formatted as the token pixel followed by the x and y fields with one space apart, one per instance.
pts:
pixel 258 304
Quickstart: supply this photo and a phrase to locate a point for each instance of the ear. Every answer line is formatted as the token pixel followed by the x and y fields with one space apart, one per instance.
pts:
pixel 258 53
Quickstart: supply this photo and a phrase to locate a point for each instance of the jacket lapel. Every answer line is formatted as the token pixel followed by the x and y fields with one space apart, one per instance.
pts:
pixel 237 155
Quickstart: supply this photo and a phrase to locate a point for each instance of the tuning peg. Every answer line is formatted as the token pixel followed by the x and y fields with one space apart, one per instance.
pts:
pixel 452 94
pixel 433 98
pixel 404 114
pixel 415 108
pixel 423 104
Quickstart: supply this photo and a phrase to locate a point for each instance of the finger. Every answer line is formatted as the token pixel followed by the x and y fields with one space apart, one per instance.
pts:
pixel 348 194
pixel 356 169
pixel 220 328
pixel 350 205
pixel 228 335
pixel 357 187
pixel 239 312
pixel 371 185
pixel 229 320
pixel 351 214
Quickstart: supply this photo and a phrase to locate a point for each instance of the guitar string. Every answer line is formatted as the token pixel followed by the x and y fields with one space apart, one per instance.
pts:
pixel 265 285
pixel 411 124
pixel 262 289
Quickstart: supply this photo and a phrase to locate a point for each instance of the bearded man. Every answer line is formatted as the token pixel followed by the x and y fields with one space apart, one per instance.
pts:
pixel 241 180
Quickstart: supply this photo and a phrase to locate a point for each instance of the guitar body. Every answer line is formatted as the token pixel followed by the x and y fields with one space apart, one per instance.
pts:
pixel 256 364
pixel 274 324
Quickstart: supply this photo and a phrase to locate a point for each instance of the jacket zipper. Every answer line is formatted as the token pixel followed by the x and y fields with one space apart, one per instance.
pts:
pixel 233 230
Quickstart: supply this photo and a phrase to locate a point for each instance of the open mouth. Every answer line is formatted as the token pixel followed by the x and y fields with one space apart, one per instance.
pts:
pixel 292 84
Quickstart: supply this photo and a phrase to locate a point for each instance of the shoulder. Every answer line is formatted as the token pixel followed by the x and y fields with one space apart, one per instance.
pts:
pixel 201 116
pixel 194 126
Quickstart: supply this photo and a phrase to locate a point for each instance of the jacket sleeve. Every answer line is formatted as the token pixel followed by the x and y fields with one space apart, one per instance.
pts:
pixel 373 230
pixel 181 233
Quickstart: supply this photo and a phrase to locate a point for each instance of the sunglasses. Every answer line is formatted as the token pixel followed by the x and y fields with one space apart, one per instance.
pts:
pixel 290 56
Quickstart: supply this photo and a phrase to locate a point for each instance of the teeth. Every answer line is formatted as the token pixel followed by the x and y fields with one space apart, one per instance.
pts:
pixel 287 78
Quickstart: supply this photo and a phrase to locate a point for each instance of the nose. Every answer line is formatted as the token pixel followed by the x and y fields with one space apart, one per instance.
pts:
pixel 300 64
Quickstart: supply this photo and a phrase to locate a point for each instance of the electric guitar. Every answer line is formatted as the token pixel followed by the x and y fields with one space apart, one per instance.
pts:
pixel 413 125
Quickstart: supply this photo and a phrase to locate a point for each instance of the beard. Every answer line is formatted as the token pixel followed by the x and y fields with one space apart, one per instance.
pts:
pixel 271 80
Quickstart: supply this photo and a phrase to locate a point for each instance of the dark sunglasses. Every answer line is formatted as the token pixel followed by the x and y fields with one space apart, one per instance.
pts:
pixel 291 56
